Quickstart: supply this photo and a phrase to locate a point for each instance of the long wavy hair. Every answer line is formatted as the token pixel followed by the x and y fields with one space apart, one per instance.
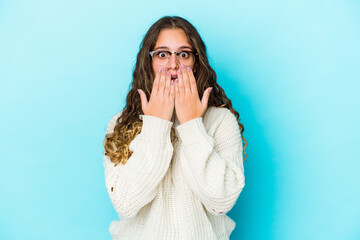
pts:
pixel 129 125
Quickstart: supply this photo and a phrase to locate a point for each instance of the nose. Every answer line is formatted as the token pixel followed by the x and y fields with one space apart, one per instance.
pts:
pixel 173 62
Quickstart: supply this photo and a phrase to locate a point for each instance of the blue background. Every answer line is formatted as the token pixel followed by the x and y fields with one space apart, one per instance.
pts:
pixel 291 69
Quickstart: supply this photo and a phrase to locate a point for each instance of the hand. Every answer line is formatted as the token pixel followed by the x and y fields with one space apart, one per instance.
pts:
pixel 162 101
pixel 187 103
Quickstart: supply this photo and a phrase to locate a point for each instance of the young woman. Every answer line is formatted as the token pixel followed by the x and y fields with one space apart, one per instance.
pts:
pixel 174 163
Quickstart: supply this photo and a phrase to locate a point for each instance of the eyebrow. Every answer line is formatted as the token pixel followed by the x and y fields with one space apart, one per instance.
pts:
pixel 168 48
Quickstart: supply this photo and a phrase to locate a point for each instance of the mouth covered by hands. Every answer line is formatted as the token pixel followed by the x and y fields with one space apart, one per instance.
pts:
pixel 180 93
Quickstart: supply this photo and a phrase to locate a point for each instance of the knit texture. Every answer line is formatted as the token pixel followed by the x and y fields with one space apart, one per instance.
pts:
pixel 180 191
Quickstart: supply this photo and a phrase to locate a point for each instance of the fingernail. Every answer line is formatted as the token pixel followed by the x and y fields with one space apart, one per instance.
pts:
pixel 168 74
pixel 138 91
pixel 210 89
pixel 182 66
pixel 188 69
pixel 172 82
pixel 159 71
pixel 179 72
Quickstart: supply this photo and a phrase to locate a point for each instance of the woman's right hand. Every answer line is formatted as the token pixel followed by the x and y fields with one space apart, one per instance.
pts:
pixel 162 97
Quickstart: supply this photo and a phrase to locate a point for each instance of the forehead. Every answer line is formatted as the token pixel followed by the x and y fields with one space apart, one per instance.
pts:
pixel 172 39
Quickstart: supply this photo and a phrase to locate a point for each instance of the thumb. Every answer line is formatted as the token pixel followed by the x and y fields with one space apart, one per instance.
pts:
pixel 205 97
pixel 143 99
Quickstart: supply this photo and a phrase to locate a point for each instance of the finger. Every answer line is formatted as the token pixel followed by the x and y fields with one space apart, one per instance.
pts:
pixel 143 99
pixel 192 81
pixel 162 81
pixel 167 84
pixel 172 90
pixel 205 98
pixel 181 84
pixel 155 88
pixel 177 92
pixel 187 88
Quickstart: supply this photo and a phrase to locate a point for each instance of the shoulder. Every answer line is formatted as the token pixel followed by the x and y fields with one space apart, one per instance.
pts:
pixel 116 116
pixel 112 122
pixel 220 119
pixel 218 113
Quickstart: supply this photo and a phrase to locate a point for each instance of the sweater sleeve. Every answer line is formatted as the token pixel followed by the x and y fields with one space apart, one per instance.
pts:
pixel 213 166
pixel 133 185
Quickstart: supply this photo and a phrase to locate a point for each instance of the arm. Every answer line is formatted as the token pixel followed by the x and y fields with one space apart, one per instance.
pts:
pixel 213 166
pixel 133 185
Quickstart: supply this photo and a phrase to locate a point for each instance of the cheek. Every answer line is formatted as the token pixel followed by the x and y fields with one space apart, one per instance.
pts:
pixel 155 69
pixel 193 69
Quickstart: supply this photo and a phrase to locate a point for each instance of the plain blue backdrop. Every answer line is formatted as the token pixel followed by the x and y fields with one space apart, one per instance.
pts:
pixel 291 69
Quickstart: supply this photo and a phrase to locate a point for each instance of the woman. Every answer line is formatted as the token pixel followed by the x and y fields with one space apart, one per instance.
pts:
pixel 174 164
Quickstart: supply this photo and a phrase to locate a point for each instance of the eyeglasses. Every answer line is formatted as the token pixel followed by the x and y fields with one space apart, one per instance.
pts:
pixel 162 57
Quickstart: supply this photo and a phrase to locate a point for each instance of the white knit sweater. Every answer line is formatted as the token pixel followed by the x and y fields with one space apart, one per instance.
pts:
pixel 182 191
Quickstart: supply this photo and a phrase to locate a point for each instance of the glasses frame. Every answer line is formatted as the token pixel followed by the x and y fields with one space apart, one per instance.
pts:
pixel 171 53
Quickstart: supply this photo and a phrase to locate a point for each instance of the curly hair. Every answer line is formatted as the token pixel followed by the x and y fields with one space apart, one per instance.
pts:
pixel 129 125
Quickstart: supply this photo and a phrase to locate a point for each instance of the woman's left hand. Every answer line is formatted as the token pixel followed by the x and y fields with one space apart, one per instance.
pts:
pixel 187 102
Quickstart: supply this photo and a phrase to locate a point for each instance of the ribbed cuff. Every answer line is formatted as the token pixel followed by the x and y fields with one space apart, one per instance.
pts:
pixel 155 127
pixel 193 132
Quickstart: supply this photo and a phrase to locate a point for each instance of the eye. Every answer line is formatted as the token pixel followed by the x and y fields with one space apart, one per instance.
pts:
pixel 184 54
pixel 162 54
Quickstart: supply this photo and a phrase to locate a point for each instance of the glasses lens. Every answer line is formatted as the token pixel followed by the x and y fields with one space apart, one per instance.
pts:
pixel 161 57
pixel 187 58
